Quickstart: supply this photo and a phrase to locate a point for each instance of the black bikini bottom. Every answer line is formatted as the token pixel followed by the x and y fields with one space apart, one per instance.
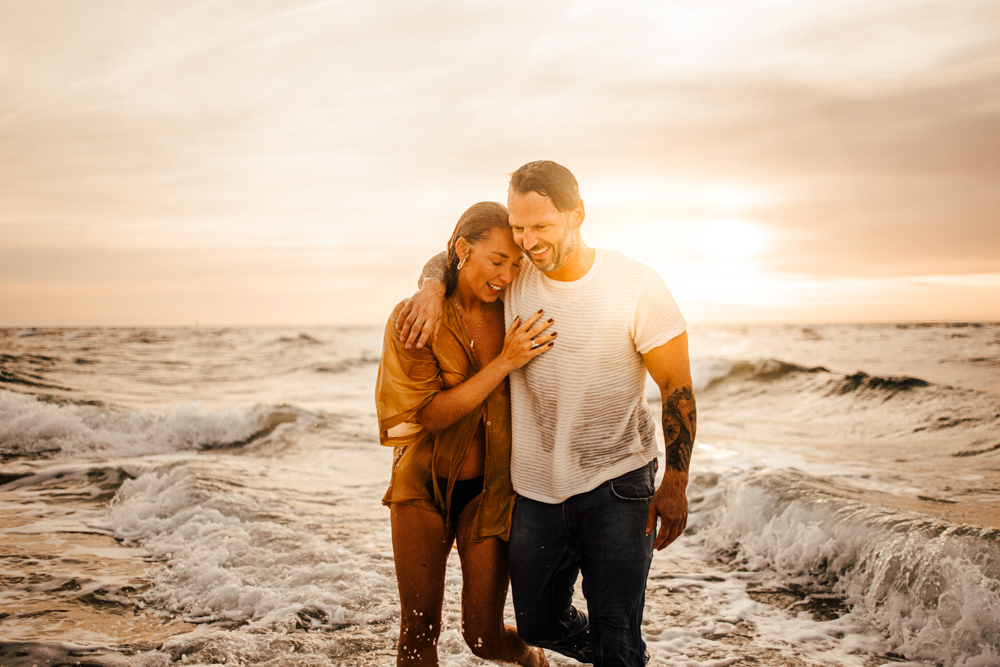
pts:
pixel 463 493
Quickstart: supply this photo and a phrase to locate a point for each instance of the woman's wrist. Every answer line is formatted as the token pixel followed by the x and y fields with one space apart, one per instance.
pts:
pixel 503 365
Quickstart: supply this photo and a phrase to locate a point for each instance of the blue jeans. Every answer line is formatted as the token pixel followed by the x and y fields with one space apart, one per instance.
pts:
pixel 601 533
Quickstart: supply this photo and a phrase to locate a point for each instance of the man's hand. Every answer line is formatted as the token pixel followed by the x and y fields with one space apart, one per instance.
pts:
pixel 670 504
pixel 420 318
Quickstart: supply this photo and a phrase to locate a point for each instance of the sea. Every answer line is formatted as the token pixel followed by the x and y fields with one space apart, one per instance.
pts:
pixel 211 496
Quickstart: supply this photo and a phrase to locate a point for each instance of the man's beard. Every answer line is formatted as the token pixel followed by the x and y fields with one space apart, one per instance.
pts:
pixel 561 252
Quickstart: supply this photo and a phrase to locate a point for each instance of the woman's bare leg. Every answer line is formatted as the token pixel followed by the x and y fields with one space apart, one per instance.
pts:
pixel 485 578
pixel 420 546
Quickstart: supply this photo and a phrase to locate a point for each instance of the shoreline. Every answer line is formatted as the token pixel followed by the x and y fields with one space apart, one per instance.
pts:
pixel 77 588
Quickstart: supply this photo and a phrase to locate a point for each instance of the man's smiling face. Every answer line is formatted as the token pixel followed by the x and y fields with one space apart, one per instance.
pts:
pixel 547 235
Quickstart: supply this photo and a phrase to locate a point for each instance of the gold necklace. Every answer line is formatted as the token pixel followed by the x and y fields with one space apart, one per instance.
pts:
pixel 472 341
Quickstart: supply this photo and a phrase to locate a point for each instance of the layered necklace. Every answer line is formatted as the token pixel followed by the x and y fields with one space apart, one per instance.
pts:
pixel 472 339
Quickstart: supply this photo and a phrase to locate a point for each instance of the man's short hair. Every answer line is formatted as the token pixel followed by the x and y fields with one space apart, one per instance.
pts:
pixel 549 180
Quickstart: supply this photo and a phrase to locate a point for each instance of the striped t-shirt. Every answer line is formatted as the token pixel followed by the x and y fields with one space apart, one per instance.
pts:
pixel 578 411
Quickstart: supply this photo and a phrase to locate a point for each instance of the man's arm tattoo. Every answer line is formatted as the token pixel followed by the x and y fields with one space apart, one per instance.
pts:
pixel 680 420
pixel 434 269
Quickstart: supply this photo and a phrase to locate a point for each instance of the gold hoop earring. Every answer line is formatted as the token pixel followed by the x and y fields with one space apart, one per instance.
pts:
pixel 461 263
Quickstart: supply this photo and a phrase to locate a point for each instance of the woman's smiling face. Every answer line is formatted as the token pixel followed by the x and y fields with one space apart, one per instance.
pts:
pixel 491 264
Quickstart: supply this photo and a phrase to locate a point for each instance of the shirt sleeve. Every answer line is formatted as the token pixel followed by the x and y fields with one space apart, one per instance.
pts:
pixel 656 318
pixel 407 381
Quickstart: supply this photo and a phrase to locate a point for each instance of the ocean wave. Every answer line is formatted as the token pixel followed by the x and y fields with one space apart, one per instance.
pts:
pixel 26 370
pixel 70 481
pixel 977 452
pixel 31 331
pixel 855 405
pixel 301 339
pixel 342 366
pixel 35 653
pixel 129 365
pixel 34 428
pixel 773 370
pixel 226 558
pixel 148 337
pixel 767 370
pixel 885 387
pixel 931 588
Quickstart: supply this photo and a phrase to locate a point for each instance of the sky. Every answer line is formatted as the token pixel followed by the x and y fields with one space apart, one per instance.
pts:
pixel 287 162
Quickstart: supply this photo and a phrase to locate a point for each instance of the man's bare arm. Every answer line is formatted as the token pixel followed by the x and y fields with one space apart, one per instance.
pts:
pixel 434 269
pixel 680 420
pixel 671 370
pixel 420 318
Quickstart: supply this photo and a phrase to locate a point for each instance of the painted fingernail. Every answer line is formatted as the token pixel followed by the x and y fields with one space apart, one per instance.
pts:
pixel 551 344
pixel 551 320
pixel 541 310
pixel 555 333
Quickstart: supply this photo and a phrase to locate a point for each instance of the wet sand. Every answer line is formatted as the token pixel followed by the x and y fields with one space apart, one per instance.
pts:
pixel 77 587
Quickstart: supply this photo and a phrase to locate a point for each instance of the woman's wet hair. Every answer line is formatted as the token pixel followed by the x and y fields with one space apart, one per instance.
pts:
pixel 474 226
pixel 548 179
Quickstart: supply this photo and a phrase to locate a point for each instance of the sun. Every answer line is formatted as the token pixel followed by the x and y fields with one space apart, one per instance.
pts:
pixel 730 239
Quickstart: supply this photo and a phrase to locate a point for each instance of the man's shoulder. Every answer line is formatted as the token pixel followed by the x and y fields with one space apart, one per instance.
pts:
pixel 620 265
pixel 620 259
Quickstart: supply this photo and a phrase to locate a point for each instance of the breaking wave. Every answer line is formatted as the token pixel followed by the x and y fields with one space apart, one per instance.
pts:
pixel 860 383
pixel 227 557
pixel 932 588
pixel 873 405
pixel 30 427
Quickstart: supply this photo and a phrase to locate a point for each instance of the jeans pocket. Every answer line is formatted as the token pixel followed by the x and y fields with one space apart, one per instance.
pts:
pixel 636 485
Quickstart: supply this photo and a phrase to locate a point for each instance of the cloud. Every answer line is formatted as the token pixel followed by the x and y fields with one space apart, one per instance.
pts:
pixel 864 138
pixel 63 285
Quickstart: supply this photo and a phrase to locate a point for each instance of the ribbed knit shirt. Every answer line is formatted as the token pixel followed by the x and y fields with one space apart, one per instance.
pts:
pixel 578 412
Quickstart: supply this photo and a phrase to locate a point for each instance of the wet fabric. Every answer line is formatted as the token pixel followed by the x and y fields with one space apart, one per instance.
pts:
pixel 580 414
pixel 407 381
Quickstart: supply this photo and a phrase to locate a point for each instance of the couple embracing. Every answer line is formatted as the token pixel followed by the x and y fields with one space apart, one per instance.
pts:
pixel 512 388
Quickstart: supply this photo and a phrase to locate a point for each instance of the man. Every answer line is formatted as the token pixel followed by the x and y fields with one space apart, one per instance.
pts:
pixel 584 449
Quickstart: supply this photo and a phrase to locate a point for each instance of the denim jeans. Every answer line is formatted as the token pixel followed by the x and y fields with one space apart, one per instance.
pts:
pixel 601 533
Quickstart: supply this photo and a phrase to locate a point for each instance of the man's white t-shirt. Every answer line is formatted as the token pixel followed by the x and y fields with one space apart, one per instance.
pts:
pixel 578 411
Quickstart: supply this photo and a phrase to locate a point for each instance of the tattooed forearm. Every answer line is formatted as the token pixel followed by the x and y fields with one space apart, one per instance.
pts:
pixel 680 420
pixel 434 269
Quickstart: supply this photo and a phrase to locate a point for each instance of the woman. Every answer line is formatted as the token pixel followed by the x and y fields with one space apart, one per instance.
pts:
pixel 446 410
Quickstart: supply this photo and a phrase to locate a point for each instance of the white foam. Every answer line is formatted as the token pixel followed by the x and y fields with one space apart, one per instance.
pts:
pixel 226 560
pixel 28 425
pixel 705 370
pixel 251 646
pixel 922 589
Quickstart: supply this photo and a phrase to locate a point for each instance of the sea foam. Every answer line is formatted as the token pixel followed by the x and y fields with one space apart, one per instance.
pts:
pixel 932 589
pixel 32 427
pixel 227 558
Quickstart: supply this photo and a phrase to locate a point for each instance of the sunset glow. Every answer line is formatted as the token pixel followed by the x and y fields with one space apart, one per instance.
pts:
pixel 270 163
